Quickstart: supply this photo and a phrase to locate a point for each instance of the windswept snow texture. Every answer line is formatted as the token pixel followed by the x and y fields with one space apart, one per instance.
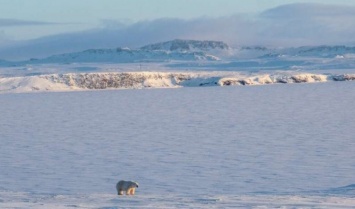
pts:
pixel 280 146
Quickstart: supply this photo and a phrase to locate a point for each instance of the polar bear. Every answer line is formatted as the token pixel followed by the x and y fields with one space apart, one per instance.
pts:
pixel 126 186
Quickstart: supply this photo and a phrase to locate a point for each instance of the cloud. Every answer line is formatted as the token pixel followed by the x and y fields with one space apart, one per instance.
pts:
pixel 287 25
pixel 309 24
pixel 308 10
pixel 15 22
pixel 231 29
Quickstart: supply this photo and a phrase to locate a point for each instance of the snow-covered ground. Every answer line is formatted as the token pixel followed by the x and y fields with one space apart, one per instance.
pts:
pixel 250 145
pixel 274 146
pixel 109 201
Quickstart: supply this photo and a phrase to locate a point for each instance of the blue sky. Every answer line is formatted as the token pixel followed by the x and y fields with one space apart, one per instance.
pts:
pixel 80 24
pixel 75 15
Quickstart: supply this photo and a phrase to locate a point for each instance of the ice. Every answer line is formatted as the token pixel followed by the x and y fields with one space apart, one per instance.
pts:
pixel 265 146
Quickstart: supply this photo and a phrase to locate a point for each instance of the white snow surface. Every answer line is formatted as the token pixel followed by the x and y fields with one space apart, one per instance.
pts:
pixel 275 146
pixel 21 200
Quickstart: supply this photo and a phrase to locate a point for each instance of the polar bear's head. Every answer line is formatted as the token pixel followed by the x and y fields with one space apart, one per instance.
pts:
pixel 136 184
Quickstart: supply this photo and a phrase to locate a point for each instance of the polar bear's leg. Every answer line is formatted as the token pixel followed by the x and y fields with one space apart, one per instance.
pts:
pixel 132 191
pixel 120 192
pixel 128 192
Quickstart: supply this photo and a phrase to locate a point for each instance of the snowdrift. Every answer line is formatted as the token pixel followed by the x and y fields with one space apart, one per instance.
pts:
pixel 142 80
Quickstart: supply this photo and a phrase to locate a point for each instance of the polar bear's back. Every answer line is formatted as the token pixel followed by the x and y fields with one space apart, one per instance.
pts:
pixel 125 185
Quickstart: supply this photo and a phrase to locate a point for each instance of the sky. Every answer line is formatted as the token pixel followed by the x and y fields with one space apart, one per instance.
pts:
pixel 71 25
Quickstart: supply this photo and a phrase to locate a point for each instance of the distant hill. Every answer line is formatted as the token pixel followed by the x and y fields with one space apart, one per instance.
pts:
pixel 187 45
pixel 179 50
pixel 125 55
pixel 191 50
pixel 326 51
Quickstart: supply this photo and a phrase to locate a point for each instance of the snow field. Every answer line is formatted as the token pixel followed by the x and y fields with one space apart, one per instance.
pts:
pixel 12 200
pixel 186 147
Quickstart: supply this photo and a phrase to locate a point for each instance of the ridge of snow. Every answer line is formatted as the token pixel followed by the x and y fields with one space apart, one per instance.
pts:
pixel 142 80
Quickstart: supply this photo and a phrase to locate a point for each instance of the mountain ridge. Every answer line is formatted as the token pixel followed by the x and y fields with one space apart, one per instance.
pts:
pixel 187 45
pixel 189 50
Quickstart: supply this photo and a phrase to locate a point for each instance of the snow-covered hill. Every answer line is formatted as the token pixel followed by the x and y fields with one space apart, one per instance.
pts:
pixel 326 51
pixel 215 48
pixel 312 51
pixel 192 53
pixel 176 50
pixel 125 55
pixel 187 45
pixel 140 80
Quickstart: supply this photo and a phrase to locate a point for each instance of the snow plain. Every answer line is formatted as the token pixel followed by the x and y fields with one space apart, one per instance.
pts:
pixel 275 146
pixel 248 145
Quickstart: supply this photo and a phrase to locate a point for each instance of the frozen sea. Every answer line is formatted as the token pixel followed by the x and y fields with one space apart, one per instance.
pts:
pixel 276 146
